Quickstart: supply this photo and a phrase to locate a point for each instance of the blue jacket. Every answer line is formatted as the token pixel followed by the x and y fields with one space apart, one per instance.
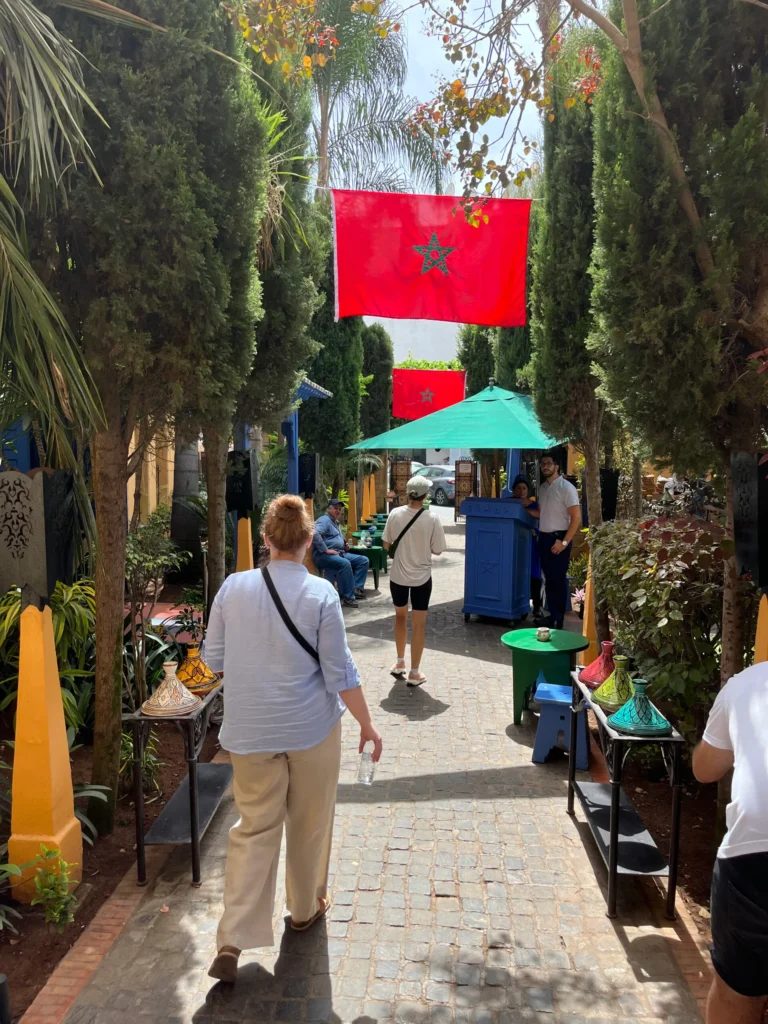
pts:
pixel 327 535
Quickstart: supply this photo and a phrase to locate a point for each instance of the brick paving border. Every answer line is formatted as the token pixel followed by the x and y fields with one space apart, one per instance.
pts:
pixel 52 1002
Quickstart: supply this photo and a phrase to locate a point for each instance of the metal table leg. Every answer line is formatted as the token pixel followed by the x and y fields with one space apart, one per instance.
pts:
pixel 138 801
pixel 617 764
pixel 674 839
pixel 194 817
pixel 572 753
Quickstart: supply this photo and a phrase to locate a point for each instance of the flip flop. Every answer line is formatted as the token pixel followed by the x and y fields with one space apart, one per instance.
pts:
pixel 397 671
pixel 224 966
pixel 416 682
pixel 301 926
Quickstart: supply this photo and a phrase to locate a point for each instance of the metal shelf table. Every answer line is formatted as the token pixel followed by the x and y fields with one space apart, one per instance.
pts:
pixel 202 790
pixel 622 839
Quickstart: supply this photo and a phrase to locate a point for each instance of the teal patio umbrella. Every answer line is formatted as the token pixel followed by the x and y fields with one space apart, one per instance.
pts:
pixel 493 418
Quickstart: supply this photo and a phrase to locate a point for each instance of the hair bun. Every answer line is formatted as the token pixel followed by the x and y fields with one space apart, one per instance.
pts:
pixel 287 523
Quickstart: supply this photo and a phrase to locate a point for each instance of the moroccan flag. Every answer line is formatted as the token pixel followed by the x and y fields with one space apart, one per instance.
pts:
pixel 417 393
pixel 418 258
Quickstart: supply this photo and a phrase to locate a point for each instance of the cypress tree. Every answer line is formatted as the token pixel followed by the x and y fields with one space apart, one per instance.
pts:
pixel 378 360
pixel 146 264
pixel 475 355
pixel 512 356
pixel 680 264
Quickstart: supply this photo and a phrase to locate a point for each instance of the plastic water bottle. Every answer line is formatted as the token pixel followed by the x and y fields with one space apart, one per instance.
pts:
pixel 365 772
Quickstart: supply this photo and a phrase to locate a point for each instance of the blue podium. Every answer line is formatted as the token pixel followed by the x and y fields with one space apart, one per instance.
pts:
pixel 497 571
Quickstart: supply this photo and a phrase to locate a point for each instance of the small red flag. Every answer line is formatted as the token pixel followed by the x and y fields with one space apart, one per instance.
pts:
pixel 417 393
pixel 418 258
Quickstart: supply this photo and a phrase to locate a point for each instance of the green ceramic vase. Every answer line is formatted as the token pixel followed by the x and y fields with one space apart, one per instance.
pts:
pixel 617 688
pixel 638 717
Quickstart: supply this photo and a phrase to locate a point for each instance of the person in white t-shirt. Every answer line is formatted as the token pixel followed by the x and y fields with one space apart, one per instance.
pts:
pixel 410 575
pixel 736 737
pixel 559 522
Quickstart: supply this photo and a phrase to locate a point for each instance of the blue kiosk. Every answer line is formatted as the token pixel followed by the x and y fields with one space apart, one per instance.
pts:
pixel 498 530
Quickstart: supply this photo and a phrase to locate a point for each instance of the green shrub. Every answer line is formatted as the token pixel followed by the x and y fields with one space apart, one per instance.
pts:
pixel 663 582
pixel 150 766
pixel 54 890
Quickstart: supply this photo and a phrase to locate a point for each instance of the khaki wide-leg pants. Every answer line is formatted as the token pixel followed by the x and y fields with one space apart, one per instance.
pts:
pixel 298 788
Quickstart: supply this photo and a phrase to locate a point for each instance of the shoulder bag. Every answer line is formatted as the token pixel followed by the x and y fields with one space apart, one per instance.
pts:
pixel 392 550
pixel 302 641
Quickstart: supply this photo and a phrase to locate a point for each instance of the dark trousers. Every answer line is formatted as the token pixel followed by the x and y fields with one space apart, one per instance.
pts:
pixel 536 594
pixel 555 570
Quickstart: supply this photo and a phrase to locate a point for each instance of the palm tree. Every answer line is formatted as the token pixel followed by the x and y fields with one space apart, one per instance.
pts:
pixel 361 113
pixel 41 139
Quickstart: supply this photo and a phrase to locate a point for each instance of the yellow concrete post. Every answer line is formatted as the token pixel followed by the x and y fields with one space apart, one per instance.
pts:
pixel 43 809
pixel 244 544
pixel 588 629
pixel 367 511
pixel 761 636
pixel 372 494
pixel 352 507
pixel 310 565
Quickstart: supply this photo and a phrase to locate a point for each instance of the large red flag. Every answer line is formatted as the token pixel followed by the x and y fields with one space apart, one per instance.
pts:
pixel 417 257
pixel 417 393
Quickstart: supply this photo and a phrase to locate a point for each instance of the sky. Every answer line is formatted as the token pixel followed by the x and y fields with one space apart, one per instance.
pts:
pixel 432 339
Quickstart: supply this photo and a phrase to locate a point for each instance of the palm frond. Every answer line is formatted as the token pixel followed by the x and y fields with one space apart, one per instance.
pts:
pixel 42 101
pixel 372 131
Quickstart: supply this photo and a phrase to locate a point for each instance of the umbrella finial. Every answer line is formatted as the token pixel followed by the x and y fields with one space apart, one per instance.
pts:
pixel 491 381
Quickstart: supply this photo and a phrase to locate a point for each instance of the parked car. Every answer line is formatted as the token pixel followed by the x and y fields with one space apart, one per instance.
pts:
pixel 443 489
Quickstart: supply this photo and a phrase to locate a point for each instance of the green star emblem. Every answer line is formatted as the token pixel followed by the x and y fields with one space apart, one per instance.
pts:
pixel 434 255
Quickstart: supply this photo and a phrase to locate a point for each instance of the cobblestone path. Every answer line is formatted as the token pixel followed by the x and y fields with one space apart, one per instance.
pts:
pixel 462 890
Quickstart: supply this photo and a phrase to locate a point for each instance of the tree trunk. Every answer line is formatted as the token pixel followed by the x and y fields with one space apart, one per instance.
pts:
pixel 591 448
pixel 732 633
pixel 109 455
pixel 216 442
pixel 485 481
pixel 323 155
pixel 137 490
pixel 637 487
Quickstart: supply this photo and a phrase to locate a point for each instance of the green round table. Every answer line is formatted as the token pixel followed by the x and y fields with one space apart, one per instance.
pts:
pixel 377 535
pixel 554 657
pixel 377 559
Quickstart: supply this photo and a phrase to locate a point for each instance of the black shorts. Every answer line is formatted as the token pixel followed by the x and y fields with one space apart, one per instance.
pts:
pixel 419 595
pixel 740 923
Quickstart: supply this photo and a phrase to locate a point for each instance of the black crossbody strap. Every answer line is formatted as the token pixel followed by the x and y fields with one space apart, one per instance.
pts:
pixel 286 617
pixel 405 529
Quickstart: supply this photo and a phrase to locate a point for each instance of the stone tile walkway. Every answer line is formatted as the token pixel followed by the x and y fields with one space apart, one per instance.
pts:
pixel 462 890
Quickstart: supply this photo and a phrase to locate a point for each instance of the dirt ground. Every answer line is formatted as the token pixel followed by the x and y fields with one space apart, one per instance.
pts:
pixel 29 958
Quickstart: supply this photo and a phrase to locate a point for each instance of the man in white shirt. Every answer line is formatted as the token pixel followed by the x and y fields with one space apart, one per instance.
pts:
pixel 418 535
pixel 736 737
pixel 559 523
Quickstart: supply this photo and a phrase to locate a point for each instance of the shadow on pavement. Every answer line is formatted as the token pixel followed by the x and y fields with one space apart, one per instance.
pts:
pixel 415 703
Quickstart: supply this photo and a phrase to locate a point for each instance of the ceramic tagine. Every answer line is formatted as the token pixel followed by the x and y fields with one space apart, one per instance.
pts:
pixel 638 717
pixel 597 672
pixel 617 688
pixel 195 674
pixel 171 697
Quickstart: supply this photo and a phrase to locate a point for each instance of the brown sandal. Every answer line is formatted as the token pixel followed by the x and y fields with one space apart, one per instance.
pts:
pixel 301 926
pixel 224 966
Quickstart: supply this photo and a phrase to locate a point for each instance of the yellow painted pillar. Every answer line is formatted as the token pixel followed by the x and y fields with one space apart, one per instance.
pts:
pixel 761 636
pixel 352 507
pixel 310 565
pixel 43 809
pixel 367 511
pixel 372 494
pixel 588 629
pixel 244 544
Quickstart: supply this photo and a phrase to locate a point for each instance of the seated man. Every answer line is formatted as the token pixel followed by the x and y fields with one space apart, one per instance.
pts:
pixel 329 551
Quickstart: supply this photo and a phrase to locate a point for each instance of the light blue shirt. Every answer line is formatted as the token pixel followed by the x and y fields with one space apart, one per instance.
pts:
pixel 276 696
pixel 327 535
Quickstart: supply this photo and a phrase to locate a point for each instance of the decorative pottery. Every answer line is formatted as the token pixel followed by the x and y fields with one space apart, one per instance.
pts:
pixel 543 634
pixel 195 674
pixel 594 674
pixel 617 688
pixel 638 717
pixel 171 697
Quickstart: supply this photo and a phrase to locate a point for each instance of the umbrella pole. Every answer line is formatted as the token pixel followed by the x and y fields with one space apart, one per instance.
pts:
pixel 497 472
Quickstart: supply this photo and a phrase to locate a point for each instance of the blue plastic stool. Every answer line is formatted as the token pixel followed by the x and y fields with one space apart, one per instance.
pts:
pixel 331 575
pixel 555 718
